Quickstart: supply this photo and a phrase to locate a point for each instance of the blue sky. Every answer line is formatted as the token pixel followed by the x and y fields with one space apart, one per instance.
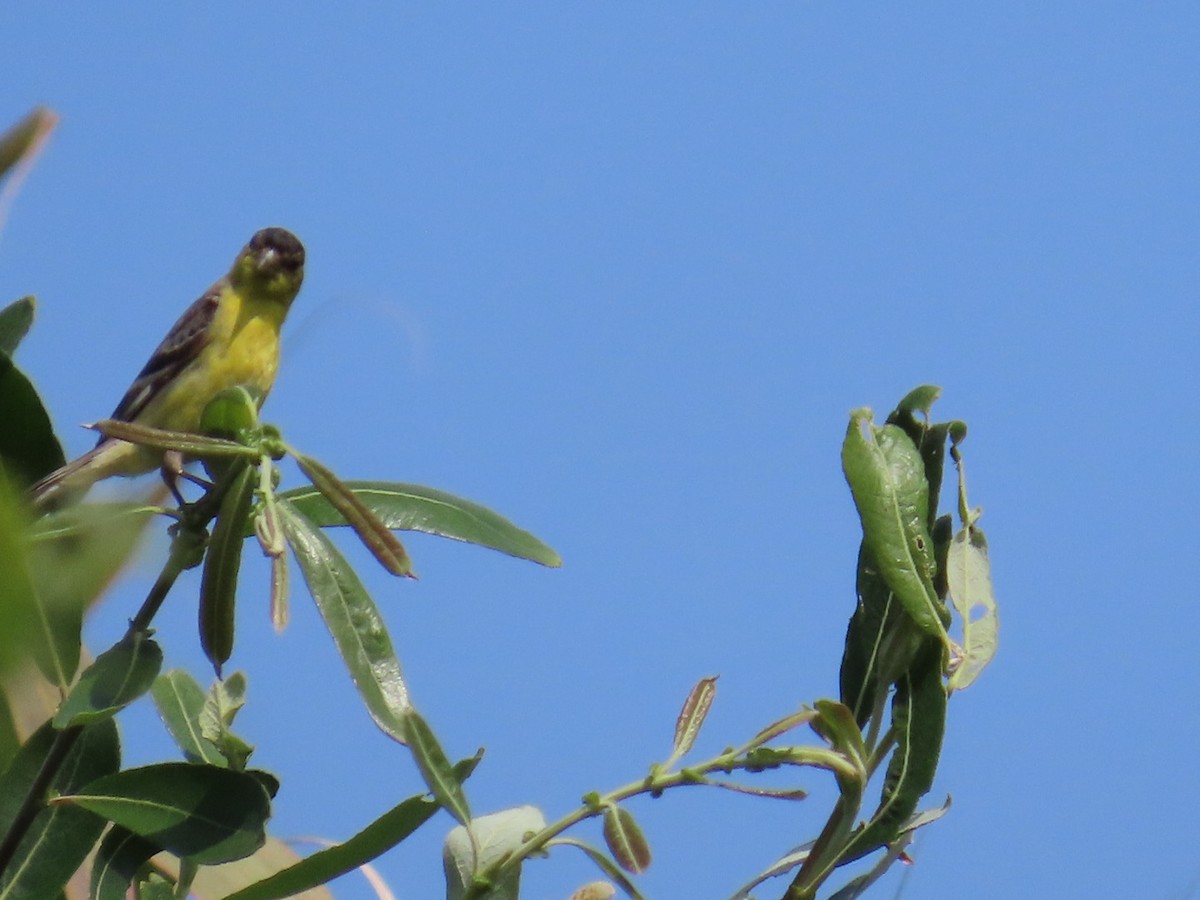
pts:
pixel 620 271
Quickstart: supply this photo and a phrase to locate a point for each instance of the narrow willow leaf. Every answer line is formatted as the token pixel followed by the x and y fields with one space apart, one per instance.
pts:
pixel 372 841
pixel 972 595
pixel 858 886
pixel 606 865
pixel 780 727
pixel 23 140
pixel 376 537
pixel 692 716
pixel 919 722
pixel 59 839
pixel 119 676
pixel 435 768
pixel 180 701
pixel 412 507
pixel 186 442
pixel 353 620
pixel 781 866
pixel 770 793
pixel 887 479
pixel 488 840
pixel 15 321
pixel 28 448
pixel 926 817
pixel 206 813
pixel 222 561
pixel 122 853
pixel 625 840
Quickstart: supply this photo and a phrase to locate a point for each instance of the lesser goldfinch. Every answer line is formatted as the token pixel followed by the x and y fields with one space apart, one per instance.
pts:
pixel 229 337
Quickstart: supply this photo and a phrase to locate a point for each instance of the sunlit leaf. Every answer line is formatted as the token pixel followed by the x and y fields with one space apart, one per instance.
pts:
pixel 434 766
pixel 411 507
pixel 887 479
pixel 180 701
pixel 491 838
pixel 353 620
pixel 972 595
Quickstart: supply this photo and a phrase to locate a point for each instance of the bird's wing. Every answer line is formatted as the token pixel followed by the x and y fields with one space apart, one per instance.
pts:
pixel 180 347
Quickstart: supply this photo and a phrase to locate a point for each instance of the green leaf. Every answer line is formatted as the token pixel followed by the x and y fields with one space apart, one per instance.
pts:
pixel 435 768
pixel 119 676
pixel 411 507
pixel 73 556
pixel 218 583
pixel 59 838
pixel 23 140
pixel 835 722
pixel 118 861
pixel 625 840
pixel 28 448
pixel 881 642
pixel 225 699
pixel 353 620
pixel 691 718
pixel 972 595
pixel 180 701
pixel 22 614
pixel 780 727
pixel 15 321
pixel 209 814
pixel 887 479
pixel 373 841
pixel 489 840
pixel 918 722
pixel 384 545
pixel 919 399
pixel 10 743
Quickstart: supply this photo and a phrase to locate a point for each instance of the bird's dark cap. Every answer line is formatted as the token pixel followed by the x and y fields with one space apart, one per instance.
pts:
pixel 280 244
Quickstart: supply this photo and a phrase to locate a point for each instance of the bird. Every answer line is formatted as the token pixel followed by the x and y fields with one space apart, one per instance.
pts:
pixel 228 337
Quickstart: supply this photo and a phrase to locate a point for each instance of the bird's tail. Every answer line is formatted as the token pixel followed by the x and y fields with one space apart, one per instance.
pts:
pixel 70 482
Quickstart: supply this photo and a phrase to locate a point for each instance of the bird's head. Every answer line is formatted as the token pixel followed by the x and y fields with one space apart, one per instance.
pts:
pixel 271 265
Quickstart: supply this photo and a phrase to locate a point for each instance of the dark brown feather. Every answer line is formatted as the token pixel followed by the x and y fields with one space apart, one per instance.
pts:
pixel 181 346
